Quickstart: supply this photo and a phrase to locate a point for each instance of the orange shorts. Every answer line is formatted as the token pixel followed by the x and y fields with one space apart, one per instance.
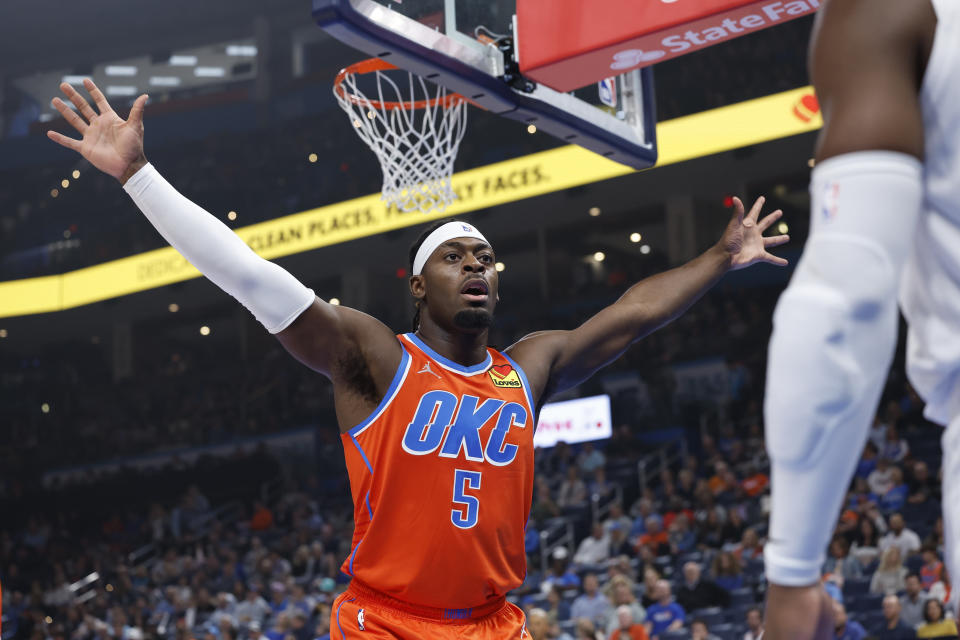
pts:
pixel 361 613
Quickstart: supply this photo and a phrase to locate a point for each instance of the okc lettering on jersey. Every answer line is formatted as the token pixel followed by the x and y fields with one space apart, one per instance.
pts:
pixel 451 424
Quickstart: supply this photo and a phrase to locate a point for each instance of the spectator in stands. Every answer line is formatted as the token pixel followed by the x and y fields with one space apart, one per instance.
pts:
pixel 866 541
pixel 734 527
pixel 253 608
pixel 890 576
pixel 686 484
pixel 718 482
pixel 591 604
pixel 935 625
pixel 323 622
pixel 627 627
pixel 600 486
pixel 226 608
pixel 664 614
pixel 619 542
pixel 755 483
pixel 840 561
pixel 844 628
pixel 879 479
pixel 560 573
pixel 696 593
pixel 754 620
pixel 868 460
pixel 699 631
pixel 544 505
pixel 559 609
pixel 621 566
pixel 710 530
pixel 894 628
pixel 750 547
pixel 861 495
pixel 896 496
pixel 935 539
pixel 674 509
pixel 594 549
pixel 620 593
pixel 905 539
pixel 640 510
pixel 573 491
pixel 650 579
pixel 941 590
pixel 590 459
pixel 262 518
pixel 923 488
pixel 727 571
pixel 932 570
pixel 911 602
pixel 300 600
pixel 679 536
pixel 303 566
pixel 617 517
pixel 894 448
pixel 655 537
pixel 538 624
pixel 833 585
pixel 561 459
pixel 586 630
pixel 278 597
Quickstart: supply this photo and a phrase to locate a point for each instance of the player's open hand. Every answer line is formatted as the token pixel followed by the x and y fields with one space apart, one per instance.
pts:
pixel 110 143
pixel 744 241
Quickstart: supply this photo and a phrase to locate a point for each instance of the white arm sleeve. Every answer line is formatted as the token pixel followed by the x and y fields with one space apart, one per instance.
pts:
pixel 271 294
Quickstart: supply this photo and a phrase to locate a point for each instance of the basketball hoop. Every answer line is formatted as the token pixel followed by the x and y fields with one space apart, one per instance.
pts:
pixel 415 132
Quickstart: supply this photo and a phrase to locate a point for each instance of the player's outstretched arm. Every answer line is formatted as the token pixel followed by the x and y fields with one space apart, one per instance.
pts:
pixel 315 332
pixel 563 359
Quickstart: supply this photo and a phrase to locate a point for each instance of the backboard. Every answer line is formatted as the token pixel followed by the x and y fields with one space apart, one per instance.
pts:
pixel 470 48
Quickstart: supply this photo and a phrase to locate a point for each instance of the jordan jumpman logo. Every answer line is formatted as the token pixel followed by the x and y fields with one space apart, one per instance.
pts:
pixel 426 369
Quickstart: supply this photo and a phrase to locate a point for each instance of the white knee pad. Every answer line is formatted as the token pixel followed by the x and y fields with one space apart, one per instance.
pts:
pixel 834 336
pixel 834 331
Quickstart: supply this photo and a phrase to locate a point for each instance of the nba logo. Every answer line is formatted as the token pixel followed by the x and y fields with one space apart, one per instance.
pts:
pixel 607 88
pixel 831 198
pixel 360 619
pixel 467 227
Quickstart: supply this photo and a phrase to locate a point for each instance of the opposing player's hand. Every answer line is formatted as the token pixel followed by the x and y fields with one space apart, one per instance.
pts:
pixel 744 239
pixel 110 143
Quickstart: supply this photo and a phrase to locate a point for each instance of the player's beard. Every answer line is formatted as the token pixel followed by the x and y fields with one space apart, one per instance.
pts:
pixel 473 319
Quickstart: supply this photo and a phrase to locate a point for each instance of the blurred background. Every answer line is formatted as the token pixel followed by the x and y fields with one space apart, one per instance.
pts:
pixel 167 471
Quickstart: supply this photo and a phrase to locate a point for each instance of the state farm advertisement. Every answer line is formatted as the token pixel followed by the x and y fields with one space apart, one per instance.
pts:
pixel 571 421
pixel 589 41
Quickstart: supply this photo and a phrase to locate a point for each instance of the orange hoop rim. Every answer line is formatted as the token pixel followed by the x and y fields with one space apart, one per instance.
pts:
pixel 377 64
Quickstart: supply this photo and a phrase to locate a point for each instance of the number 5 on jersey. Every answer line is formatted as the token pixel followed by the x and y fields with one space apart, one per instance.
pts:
pixel 465 507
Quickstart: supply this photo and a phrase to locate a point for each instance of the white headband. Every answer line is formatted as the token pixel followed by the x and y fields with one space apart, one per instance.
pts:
pixel 440 235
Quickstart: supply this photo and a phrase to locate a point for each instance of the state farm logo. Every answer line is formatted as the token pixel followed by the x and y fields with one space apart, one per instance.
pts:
pixel 702 31
pixel 633 57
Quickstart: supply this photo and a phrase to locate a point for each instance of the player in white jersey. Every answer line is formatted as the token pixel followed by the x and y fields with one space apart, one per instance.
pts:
pixel 885 214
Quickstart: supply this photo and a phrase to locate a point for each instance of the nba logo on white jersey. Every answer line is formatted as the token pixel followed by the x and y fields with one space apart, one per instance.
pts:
pixel 608 91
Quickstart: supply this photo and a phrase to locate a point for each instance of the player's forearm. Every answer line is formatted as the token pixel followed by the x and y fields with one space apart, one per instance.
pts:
pixel 274 296
pixel 662 298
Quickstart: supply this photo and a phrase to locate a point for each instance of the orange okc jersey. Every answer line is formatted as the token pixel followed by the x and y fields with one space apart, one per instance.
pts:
pixel 442 478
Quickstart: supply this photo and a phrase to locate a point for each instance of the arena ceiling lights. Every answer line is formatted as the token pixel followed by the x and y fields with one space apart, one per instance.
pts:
pixel 203 66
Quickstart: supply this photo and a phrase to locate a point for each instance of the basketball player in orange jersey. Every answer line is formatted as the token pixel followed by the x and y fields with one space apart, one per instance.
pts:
pixel 437 427
pixel 885 213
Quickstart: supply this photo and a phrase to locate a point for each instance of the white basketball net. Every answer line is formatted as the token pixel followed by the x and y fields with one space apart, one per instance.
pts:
pixel 416 141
